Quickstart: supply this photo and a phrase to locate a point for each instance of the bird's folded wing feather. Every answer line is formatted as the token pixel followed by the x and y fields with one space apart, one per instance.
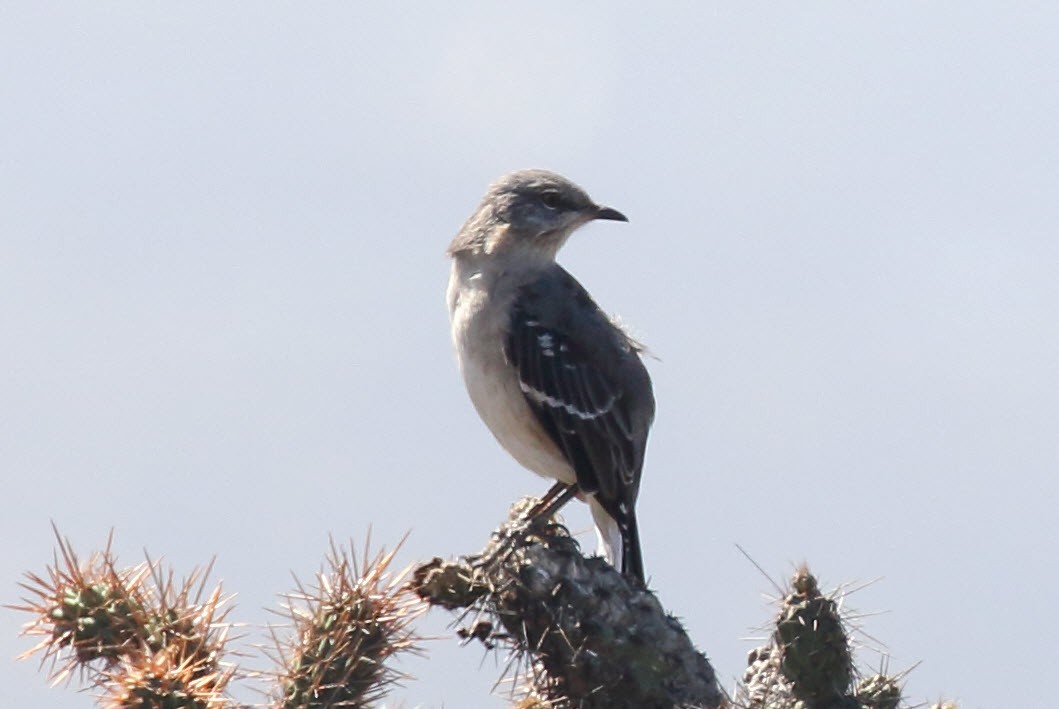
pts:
pixel 578 401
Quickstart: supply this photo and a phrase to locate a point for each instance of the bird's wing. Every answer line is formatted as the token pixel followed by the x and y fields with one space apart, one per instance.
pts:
pixel 579 402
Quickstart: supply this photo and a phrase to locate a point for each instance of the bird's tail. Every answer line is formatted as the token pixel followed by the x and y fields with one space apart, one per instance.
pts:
pixel 619 542
pixel 632 556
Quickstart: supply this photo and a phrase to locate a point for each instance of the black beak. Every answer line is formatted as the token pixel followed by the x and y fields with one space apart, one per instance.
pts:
pixel 608 213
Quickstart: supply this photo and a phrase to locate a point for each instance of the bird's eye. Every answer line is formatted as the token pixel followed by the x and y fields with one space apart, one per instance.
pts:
pixel 551 199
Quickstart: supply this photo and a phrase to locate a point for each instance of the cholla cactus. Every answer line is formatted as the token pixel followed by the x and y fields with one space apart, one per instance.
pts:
pixel 814 650
pixel 151 643
pixel 344 632
pixel 807 663
pixel 132 629
pixel 581 636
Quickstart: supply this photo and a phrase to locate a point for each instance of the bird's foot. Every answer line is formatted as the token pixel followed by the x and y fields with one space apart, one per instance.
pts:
pixel 537 518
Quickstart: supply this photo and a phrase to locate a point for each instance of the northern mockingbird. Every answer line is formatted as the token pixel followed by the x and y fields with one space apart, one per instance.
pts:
pixel 559 385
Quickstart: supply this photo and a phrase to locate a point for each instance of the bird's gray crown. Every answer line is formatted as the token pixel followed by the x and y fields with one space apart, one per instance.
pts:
pixel 534 209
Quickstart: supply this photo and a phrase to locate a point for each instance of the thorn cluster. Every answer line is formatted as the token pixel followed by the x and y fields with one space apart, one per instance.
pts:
pixel 879 691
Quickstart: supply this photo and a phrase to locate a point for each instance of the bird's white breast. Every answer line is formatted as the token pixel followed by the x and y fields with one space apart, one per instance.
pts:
pixel 478 312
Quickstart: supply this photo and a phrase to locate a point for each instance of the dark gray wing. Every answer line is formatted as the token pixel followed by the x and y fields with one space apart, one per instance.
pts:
pixel 585 383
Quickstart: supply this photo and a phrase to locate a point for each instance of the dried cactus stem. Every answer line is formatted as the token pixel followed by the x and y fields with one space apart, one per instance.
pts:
pixel 589 638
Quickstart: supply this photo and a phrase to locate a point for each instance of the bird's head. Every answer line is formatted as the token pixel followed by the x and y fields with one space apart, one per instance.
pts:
pixel 533 211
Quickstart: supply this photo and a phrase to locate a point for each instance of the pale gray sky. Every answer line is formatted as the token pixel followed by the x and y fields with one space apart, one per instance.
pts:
pixel 222 275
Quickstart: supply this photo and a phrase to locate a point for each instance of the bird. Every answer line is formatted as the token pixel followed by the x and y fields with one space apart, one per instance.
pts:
pixel 560 385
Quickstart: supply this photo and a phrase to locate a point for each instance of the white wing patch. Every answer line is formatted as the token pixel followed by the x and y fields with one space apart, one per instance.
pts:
pixel 542 398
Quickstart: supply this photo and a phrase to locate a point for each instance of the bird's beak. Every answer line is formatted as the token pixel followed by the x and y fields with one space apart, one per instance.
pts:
pixel 608 213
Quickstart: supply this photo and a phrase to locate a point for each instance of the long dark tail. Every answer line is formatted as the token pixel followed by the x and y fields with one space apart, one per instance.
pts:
pixel 631 554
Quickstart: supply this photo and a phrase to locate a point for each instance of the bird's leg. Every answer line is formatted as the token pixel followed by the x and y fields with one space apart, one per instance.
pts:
pixel 556 491
pixel 552 501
